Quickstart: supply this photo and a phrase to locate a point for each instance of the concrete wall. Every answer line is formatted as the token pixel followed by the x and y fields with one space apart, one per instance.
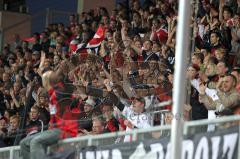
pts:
pixel 91 4
pixel 15 23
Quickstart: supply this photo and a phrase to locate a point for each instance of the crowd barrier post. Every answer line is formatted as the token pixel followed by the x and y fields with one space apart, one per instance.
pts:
pixel 239 141
pixel 11 153
pixel 179 83
pixel 134 136
pixel 1 39
pixel 89 141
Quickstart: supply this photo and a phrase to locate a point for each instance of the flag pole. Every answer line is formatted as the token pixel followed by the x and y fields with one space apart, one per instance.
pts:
pixel 179 85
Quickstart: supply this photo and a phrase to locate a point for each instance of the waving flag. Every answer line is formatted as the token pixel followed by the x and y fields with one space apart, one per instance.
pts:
pixel 97 38
pixel 29 39
pixel 94 43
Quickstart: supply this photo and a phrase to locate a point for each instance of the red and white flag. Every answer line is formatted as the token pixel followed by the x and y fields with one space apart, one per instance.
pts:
pixel 97 38
pixel 95 42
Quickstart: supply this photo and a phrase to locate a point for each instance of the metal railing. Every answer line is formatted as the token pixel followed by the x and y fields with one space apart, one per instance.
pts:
pixel 222 120
pixel 1 39
pixel 134 133
pixel 14 152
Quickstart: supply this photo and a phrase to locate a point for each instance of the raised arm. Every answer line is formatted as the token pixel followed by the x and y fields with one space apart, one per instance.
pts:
pixel 221 5
pixel 41 65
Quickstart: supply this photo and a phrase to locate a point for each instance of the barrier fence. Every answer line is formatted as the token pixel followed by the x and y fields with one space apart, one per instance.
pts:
pixel 190 128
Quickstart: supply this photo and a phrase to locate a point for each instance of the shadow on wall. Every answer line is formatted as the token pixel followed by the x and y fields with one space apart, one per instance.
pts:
pixel 14 23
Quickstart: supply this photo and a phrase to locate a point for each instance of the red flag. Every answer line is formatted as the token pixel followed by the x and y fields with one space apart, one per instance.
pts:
pixel 94 43
pixel 97 38
pixel 30 39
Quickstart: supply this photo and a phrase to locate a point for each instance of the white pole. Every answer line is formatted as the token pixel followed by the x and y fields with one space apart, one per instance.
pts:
pixel 179 85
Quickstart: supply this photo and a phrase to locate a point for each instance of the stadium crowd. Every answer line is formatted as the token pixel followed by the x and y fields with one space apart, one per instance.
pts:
pixel 119 86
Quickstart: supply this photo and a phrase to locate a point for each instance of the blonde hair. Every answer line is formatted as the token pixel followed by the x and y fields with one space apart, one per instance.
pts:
pixel 14 117
pixel 53 35
pixel 35 107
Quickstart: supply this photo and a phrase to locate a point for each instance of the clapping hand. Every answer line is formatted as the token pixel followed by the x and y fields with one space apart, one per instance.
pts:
pixel 128 124
pixel 169 20
pixel 107 84
pixel 202 88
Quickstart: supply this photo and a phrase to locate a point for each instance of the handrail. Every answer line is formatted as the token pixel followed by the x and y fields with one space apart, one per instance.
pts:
pixel 163 127
pixel 90 138
pixel 202 122
pixel 223 119
pixel 114 134
pixel 4 149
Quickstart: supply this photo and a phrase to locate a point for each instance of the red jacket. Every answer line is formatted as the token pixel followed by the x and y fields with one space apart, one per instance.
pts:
pixel 66 122
pixel 112 125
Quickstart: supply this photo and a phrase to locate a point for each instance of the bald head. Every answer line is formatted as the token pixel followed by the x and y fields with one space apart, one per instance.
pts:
pixel 46 79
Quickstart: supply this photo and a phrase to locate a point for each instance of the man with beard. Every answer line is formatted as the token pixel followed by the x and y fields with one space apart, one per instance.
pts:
pixel 226 98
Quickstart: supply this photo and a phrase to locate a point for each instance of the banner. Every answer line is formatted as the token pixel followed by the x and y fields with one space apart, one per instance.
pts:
pixel 222 144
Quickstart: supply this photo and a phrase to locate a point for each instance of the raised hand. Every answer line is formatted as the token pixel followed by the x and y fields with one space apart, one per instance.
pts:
pixel 43 56
pixel 128 124
pixel 12 93
pixel 154 28
pixel 221 3
pixel 107 84
pixel 169 20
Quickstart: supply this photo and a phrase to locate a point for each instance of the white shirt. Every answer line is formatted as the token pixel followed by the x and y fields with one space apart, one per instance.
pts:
pixel 211 93
pixel 141 120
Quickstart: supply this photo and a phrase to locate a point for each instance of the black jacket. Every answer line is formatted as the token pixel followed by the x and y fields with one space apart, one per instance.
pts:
pixel 34 126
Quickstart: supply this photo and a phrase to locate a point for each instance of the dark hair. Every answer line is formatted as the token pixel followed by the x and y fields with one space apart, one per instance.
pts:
pixel 149 41
pixel 238 11
pixel 106 104
pixel 213 60
pixel 153 57
pixel 206 47
pixel 72 15
pixel 157 20
pixel 236 69
pixel 138 14
pixel 218 34
pixel 105 11
pixel 61 24
pixel 140 99
pixel 199 56
pixel 37 36
pixel 228 9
